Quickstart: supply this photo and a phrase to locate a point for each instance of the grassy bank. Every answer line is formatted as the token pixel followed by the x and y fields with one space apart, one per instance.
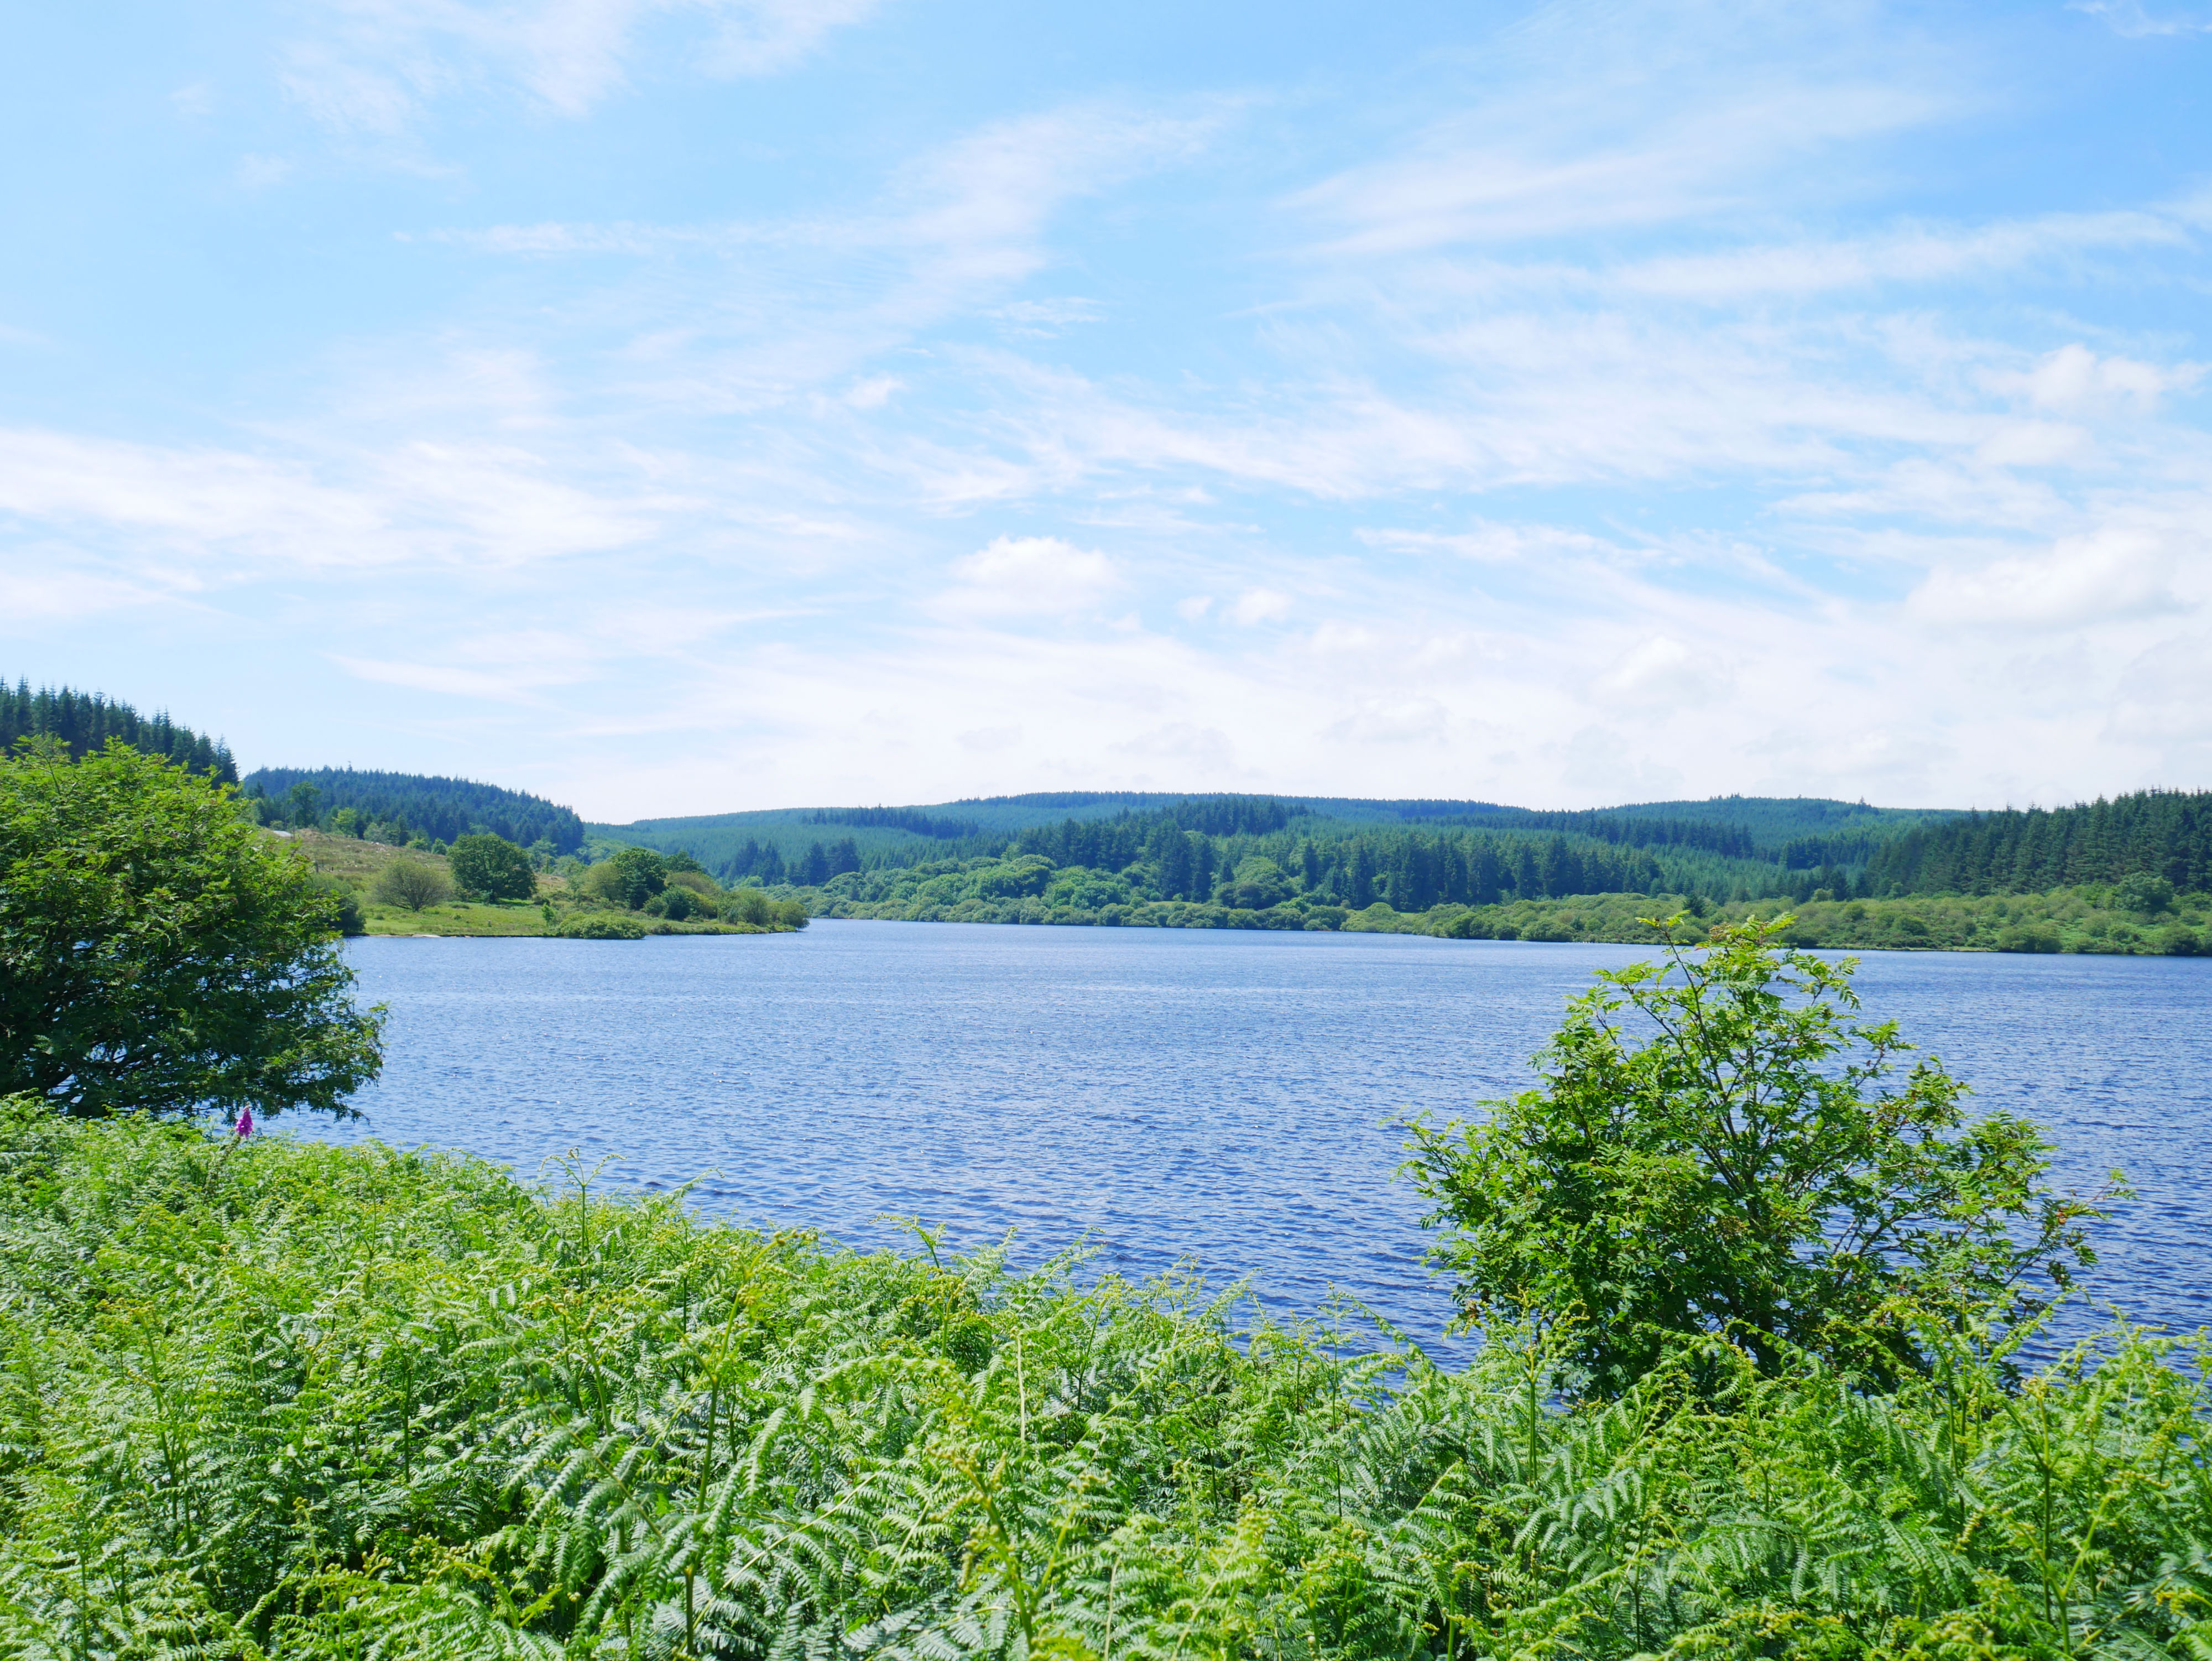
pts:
pixel 558 909
pixel 2084 919
pixel 278 1399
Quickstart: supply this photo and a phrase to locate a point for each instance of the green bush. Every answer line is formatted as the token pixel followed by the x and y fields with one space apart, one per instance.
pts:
pixel 411 884
pixel 1719 1144
pixel 346 905
pixel 492 867
pixel 601 926
pixel 750 906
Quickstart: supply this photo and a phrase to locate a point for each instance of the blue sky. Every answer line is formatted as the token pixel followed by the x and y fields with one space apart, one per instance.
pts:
pixel 683 406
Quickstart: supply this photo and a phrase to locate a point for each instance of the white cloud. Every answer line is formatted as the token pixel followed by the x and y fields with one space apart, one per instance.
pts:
pixel 2034 444
pixel 2108 575
pixel 1663 671
pixel 1645 115
pixel 1256 605
pixel 1029 575
pixel 1192 607
pixel 1916 254
pixel 374 66
pixel 2136 21
pixel 873 392
pixel 2076 378
pixel 420 502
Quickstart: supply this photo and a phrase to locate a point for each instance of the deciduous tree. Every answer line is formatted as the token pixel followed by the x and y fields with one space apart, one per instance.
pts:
pixel 492 867
pixel 158 953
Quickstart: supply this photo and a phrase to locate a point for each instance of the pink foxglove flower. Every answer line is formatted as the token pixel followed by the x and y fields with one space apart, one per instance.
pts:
pixel 245 1121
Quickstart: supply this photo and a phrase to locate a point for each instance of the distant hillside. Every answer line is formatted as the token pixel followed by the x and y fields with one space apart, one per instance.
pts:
pixel 439 808
pixel 1755 846
pixel 2160 833
pixel 86 720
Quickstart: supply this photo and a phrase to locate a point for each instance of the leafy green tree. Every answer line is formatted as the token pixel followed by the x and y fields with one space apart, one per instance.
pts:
pixel 639 874
pixel 1718 1145
pixel 493 867
pixel 305 804
pixel 158 954
pixel 411 884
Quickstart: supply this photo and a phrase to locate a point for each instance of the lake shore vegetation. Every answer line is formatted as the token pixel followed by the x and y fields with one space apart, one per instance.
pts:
pixel 2127 876
pixel 2143 919
pixel 420 891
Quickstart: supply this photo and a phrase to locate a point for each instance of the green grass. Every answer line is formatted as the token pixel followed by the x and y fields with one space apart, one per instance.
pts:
pixel 282 1399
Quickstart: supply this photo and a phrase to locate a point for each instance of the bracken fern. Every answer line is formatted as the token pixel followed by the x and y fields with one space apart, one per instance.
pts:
pixel 276 1399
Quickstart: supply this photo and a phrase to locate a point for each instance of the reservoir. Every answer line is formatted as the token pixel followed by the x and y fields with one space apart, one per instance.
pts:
pixel 1220 1099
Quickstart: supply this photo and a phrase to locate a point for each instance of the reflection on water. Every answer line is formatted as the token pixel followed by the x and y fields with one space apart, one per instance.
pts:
pixel 1222 1097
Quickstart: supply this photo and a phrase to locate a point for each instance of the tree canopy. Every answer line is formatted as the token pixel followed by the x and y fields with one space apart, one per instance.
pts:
pixel 392 806
pixel 159 954
pixel 1719 1145
pixel 85 722
pixel 493 867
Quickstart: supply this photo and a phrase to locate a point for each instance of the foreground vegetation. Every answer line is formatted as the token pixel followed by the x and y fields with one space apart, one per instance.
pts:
pixel 276 1399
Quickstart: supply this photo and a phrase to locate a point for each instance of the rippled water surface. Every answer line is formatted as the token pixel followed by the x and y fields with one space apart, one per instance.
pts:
pixel 1224 1097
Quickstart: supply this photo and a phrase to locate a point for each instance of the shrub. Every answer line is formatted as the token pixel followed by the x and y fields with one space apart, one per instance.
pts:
pixel 2178 940
pixel 2143 892
pixel 599 925
pixel 412 884
pixel 345 904
pixel 750 906
pixel 1741 1157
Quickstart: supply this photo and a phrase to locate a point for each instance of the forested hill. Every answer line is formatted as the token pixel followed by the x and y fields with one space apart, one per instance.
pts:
pixel 1417 852
pixel 2158 833
pixel 86 720
pixel 441 809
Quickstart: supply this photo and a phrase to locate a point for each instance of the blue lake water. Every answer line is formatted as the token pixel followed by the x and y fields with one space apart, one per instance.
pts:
pixel 1223 1098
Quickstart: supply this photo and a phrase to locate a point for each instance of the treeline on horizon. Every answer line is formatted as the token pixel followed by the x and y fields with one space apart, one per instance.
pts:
pixel 1192 848
pixel 85 722
pixel 2166 834
pixel 1411 853
pixel 399 807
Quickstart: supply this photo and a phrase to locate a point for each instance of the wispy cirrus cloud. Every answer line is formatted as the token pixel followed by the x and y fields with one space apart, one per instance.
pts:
pixel 375 67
